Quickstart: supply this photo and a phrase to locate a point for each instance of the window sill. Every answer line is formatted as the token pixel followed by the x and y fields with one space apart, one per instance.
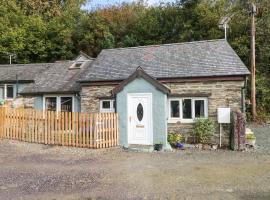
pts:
pixel 180 121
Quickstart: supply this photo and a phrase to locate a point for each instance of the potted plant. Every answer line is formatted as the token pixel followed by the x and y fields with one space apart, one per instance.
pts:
pixel 251 139
pixel 175 140
pixel 203 131
pixel 158 146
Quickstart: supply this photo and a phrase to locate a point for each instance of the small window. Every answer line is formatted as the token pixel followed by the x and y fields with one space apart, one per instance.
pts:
pixel 50 103
pixel 187 109
pixel 107 105
pixel 140 112
pixel 175 111
pixel 66 104
pixel 10 92
pixel 199 109
pixel 77 65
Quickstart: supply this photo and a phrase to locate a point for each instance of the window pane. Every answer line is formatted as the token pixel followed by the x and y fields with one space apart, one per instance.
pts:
pixel 175 109
pixel 10 93
pixel 2 89
pixel 106 104
pixel 50 103
pixel 66 104
pixel 187 113
pixel 199 108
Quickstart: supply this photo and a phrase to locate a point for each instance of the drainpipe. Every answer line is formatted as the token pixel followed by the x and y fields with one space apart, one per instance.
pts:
pixel 243 97
pixel 17 85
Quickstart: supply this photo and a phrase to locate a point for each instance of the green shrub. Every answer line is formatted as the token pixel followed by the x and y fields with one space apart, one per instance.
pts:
pixel 203 130
pixel 173 139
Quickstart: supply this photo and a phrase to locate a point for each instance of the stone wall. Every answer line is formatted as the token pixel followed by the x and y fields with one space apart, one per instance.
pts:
pixel 90 96
pixel 222 94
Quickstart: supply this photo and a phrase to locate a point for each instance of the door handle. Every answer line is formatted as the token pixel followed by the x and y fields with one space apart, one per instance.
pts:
pixel 129 118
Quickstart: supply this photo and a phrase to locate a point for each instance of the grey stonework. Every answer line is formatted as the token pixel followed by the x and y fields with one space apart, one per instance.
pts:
pixel 222 94
pixel 90 96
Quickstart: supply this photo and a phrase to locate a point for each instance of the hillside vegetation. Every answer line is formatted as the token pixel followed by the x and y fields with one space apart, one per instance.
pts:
pixel 49 30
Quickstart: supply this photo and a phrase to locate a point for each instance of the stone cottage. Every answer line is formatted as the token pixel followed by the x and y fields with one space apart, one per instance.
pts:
pixel 162 89
pixel 156 89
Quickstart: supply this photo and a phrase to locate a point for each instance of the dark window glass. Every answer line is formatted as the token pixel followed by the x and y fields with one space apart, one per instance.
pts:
pixel 50 103
pixel 187 110
pixel 199 108
pixel 106 104
pixel 77 65
pixel 10 91
pixel 2 89
pixel 140 112
pixel 175 109
pixel 66 104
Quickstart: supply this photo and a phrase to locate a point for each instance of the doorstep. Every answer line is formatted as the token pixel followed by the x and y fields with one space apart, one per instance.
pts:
pixel 139 148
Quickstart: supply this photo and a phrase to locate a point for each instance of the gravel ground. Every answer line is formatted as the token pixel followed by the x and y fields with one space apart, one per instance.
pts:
pixel 32 171
pixel 262 133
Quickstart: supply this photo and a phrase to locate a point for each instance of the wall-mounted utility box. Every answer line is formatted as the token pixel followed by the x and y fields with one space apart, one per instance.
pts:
pixel 224 115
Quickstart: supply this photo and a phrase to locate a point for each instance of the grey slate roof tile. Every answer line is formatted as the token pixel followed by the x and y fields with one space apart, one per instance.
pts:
pixel 191 59
pixel 58 78
pixel 25 72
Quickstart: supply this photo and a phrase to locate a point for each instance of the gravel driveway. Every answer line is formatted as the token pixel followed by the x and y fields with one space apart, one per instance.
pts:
pixel 32 171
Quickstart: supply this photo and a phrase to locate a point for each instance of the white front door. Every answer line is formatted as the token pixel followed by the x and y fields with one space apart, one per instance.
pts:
pixel 140 129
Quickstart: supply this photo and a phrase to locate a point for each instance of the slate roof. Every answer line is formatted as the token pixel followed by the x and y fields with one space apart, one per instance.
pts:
pixel 58 78
pixel 25 72
pixel 179 60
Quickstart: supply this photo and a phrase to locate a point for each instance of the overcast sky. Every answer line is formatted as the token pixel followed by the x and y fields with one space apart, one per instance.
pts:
pixel 94 3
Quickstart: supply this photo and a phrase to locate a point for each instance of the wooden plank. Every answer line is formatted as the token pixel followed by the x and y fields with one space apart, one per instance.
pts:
pixel 69 129
pixel 94 131
pixel 45 121
pixel 53 127
pixel 117 131
pixel 49 127
pixel 19 124
pixel 34 133
pixel 90 130
pixel 59 132
pixel 84 131
pixel 111 129
pixel 77 129
pixel 65 128
pixel 73 129
pixel 87 130
pixel 62 128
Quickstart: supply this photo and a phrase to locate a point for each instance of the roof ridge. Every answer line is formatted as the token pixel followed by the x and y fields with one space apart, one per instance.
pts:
pixel 168 44
pixel 18 65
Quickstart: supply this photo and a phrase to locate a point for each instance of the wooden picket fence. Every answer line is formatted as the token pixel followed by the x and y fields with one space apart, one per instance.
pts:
pixel 99 130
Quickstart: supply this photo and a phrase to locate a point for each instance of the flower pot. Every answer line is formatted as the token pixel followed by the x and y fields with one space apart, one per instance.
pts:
pixel 251 142
pixel 158 147
pixel 179 145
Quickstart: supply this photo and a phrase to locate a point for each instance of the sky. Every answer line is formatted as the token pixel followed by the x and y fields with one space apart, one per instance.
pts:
pixel 94 3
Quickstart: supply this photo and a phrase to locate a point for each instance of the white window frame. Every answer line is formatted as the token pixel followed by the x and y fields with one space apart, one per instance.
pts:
pixel 5 91
pixel 180 119
pixel 107 110
pixel 58 101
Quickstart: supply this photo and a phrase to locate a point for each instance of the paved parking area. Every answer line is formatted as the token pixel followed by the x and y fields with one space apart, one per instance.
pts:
pixel 32 171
